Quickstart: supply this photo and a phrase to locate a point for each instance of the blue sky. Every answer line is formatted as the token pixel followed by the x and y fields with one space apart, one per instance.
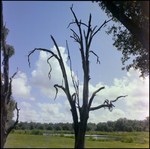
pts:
pixel 31 24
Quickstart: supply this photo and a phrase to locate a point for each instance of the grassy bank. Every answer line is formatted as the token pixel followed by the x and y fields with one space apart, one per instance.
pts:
pixel 37 141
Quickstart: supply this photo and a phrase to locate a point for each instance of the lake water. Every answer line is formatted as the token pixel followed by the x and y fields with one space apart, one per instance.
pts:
pixel 87 136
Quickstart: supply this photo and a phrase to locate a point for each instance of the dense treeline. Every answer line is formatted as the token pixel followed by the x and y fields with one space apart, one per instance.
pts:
pixel 121 124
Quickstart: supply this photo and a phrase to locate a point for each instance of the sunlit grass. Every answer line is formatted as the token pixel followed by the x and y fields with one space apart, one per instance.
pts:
pixel 41 141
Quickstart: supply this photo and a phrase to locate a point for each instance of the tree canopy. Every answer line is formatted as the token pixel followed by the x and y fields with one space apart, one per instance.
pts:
pixel 130 31
pixel 121 124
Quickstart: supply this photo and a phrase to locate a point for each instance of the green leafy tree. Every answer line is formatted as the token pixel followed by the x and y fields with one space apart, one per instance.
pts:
pixel 130 31
pixel 31 126
pixel 91 126
pixel 146 121
pixel 110 129
pixel 120 124
pixel 65 127
pixel 49 128
pixel 41 127
pixel 57 127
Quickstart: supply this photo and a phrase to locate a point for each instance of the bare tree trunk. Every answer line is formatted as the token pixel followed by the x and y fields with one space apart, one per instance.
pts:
pixel 80 136
pixel 79 127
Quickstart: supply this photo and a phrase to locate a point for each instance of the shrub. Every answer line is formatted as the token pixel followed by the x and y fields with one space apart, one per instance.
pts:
pixel 128 140
pixel 91 138
pixel 19 132
pixel 27 132
pixel 61 135
pixel 36 132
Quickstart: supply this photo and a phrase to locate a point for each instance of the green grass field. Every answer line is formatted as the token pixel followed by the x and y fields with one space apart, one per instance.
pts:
pixel 39 141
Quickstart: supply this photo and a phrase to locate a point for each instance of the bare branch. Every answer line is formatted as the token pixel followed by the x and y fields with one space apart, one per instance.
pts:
pixel 10 87
pixel 117 98
pixel 70 24
pixel 13 126
pixel 98 107
pixel 78 22
pixel 60 86
pixel 81 39
pixel 106 104
pixel 76 37
pixel 49 74
pixel 93 95
pixel 56 92
pixel 75 33
pixel 96 56
pixel 102 26
pixel 89 28
pixel 93 29
pixel 40 49
pixel 15 73
pixel 76 40
pixel 75 84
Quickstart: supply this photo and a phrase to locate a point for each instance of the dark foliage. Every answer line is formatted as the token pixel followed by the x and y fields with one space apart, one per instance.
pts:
pixel 130 31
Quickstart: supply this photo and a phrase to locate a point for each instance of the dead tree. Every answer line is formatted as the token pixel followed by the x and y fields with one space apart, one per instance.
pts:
pixel 79 125
pixel 6 88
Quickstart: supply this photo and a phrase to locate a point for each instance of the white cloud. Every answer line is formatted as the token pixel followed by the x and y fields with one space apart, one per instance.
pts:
pixel 26 104
pixel 46 113
pixel 104 115
pixel 134 106
pixel 20 87
pixel 52 113
pixel 27 115
pixel 40 74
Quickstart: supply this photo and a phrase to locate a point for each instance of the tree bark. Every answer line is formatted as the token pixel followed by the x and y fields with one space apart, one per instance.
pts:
pixel 81 129
pixel 6 91
pixel 80 136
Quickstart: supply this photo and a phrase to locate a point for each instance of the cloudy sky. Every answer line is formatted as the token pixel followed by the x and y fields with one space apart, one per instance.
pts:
pixel 31 24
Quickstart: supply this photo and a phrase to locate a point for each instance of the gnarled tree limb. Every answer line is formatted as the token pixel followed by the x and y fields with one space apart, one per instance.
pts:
pixel 60 86
pixel 41 49
pixel 78 22
pixel 106 104
pixel 93 95
pixel 49 74
pixel 117 98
